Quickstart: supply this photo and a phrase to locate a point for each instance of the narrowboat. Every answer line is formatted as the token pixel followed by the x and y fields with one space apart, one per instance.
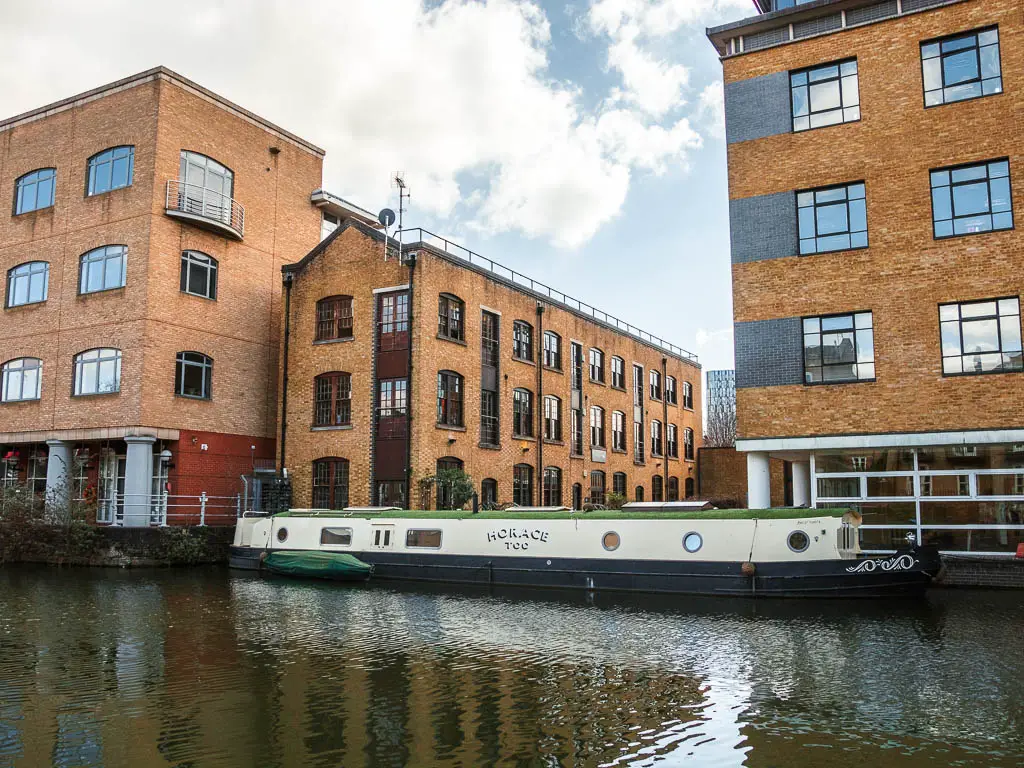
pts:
pixel 674 548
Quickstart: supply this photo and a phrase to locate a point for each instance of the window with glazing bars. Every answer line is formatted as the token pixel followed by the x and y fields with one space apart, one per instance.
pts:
pixel 450 311
pixel 552 418
pixel 522 413
pixel 35 190
pixel 672 441
pixel 576 417
pixel 334 318
pixel 489 339
pixel 28 283
pixel 597 426
pixel 839 348
pixel 688 445
pixel 577 366
pixel 97 372
pixel 638 442
pixel 522 485
pixel 619 483
pixel 961 67
pixel 670 390
pixel 597 487
pixel 618 366
pixel 832 218
pixel 552 487
pixel 332 403
pixel 103 269
pixel 21 379
pixel 552 350
pixel 596 365
pixel 638 385
pixel 449 399
pixel 618 431
pixel 193 375
pixel 110 169
pixel 330 483
pixel 655 377
pixel 522 340
pixel 656 445
pixel 657 488
pixel 392 408
pixel 968 199
pixel 489 418
pixel 199 274
pixel 687 395
pixel 981 337
pixel 825 95
pixel 393 327
pixel 673 489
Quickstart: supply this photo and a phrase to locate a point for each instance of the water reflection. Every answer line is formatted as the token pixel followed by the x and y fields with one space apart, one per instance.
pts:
pixel 205 668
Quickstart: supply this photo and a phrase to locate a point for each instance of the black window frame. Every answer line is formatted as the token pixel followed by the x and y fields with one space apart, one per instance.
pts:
pixel 654 381
pixel 840 76
pixel 576 353
pixel 196 261
pixel 552 351
pixel 598 487
pixel 939 41
pixel 857 363
pixel 182 364
pixel 950 170
pixel 657 488
pixel 619 483
pixel 488 493
pixel 489 418
pixel 522 341
pixel 522 485
pixel 450 396
pixel 689 446
pixel 451 317
pixel 332 399
pixel 657 440
pixel 597 366
pixel 999 330
pixel 618 378
pixel 619 436
pixel 576 430
pixel 552 487
pixel 688 395
pixel 672 441
pixel 522 412
pixel 552 418
pixel 671 390
pixel 597 431
pixel 815 205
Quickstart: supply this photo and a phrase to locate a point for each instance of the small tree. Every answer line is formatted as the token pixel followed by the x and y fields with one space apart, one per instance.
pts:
pixel 615 500
pixel 454 484
pixel 721 428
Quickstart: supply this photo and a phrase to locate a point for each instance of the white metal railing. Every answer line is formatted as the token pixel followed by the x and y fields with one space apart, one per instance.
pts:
pixel 168 509
pixel 197 200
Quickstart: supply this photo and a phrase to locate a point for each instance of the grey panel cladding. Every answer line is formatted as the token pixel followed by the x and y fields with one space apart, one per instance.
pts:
pixel 766 39
pixel 916 5
pixel 817 26
pixel 763 227
pixel 757 107
pixel 868 13
pixel 769 353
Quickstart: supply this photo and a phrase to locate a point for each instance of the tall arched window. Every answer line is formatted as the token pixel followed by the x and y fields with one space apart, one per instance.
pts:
pixel 688 444
pixel 449 399
pixel 671 393
pixel 207 186
pixel 552 418
pixel 193 375
pixel 597 426
pixel 451 314
pixel 332 399
pixel 672 441
pixel 522 413
pixel 28 283
pixel 334 318
pixel 445 496
pixel 657 488
pixel 522 485
pixel 552 487
pixel 330 483
pixel 655 385
pixel 597 487
pixel 656 445
pixel 687 395
pixel 673 489
pixel 689 487
pixel 596 365
pixel 22 379
pixel 619 484
pixel 97 372
pixel 103 268
pixel 198 274
pixel 522 340
pixel 552 350
pixel 488 493
pixel 638 493
pixel 35 190
pixel 110 169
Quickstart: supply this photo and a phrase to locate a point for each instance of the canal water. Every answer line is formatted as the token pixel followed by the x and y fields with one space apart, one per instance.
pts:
pixel 208 668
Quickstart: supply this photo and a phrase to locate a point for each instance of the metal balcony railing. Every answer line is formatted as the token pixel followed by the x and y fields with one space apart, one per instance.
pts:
pixel 205 208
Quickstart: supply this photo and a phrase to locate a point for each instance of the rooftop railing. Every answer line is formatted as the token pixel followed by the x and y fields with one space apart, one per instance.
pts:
pixel 205 208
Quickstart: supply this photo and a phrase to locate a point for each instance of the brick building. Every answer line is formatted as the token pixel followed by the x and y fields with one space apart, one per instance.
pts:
pixel 397 367
pixel 877 274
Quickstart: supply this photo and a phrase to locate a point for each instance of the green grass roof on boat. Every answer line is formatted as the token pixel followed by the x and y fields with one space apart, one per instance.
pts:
pixel 603 514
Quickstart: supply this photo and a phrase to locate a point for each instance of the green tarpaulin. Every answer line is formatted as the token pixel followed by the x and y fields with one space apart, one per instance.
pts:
pixel 318 565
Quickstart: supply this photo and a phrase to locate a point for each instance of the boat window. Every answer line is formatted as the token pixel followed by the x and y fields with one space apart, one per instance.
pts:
pixel 798 541
pixel 282 534
pixel 611 541
pixel 423 538
pixel 692 542
pixel 337 536
pixel 382 537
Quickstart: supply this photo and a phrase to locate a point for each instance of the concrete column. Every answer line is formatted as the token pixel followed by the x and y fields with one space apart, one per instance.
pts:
pixel 801 483
pixel 138 481
pixel 759 484
pixel 58 478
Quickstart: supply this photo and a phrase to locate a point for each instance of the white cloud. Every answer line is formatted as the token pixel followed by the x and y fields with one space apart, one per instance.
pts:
pixel 712 108
pixel 444 91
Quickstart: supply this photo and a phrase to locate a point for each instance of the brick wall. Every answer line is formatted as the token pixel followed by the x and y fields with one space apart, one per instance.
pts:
pixel 723 477
pixel 982 572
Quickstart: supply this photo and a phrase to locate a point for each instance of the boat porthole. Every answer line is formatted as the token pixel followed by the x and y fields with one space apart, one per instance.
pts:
pixel 692 542
pixel 610 541
pixel 282 534
pixel 798 541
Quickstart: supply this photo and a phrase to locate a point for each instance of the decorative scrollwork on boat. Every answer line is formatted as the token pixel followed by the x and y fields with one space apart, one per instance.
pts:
pixel 898 563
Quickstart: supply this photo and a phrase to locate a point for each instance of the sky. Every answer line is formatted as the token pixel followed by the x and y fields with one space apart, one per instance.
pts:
pixel 578 142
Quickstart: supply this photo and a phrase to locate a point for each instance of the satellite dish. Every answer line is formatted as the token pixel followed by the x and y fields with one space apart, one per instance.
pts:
pixel 386 217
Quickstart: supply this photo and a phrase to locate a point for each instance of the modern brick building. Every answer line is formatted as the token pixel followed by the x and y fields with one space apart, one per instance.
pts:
pixel 877 274
pixel 398 365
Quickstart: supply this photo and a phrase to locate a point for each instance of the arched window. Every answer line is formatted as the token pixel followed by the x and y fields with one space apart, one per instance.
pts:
pixel 332 399
pixel 522 485
pixel 445 496
pixel 689 487
pixel 657 488
pixel 638 493
pixel 334 318
pixel 193 375
pixel 97 372
pixel 28 283
pixel 522 340
pixel 656 438
pixel 488 493
pixel 330 483
pixel 577 496
pixel 103 268
pixel 552 418
pixel 207 186
pixel 619 483
pixel 597 488
pixel 552 350
pixel 596 365
pixel 687 395
pixel 597 426
pixel 522 413
pixel 449 399
pixel 22 379
pixel 618 431
pixel 198 274
pixel 673 489
pixel 110 169
pixel 35 190
pixel 672 441
pixel 655 385
pixel 451 313
pixel 618 366
pixel 688 444
pixel 552 487
pixel 671 392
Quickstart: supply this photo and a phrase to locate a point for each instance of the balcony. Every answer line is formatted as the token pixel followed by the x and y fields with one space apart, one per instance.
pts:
pixel 205 208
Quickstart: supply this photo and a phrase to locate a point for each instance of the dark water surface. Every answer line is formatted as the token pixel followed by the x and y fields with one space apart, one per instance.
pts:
pixel 207 668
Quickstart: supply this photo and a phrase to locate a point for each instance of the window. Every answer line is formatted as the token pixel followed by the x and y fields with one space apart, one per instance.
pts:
pixel 981 336
pixel 199 275
pixel 971 198
pixel 839 348
pixel 392 403
pixel 673 489
pixel 672 441
pixel 522 485
pixel 103 268
pixel 330 483
pixel 393 324
pixel 619 484
pixel 610 541
pixel 576 417
pixel 426 539
pixel 450 312
pixel 552 418
pixel 638 493
pixel 522 413
pixel 110 169
pixel 489 339
pixel 597 487
pixel 832 219
pixel 445 491
pixel 692 542
pixel 35 190
pixel 577 496
pixel 687 395
pixel 552 487
pixel 638 385
pixel 193 375
pixel 597 426
pixel 206 187
pixel 334 318
pixel 97 372
pixel 798 541
pixel 449 399
pixel 391 493
pixel 825 95
pixel 552 350
pixel 35 473
pixel 671 393
pixel 488 493
pixel 522 340
pixel 597 365
pixel 657 488
pixel 688 444
pixel 618 373
pixel 577 366
pixel 328 223
pixel 689 487
pixel 961 67
pixel 332 400
pixel 489 418
pixel 655 385
pixel 638 442
pixel 28 283
pixel 656 438
pixel 22 379
pixel 337 537
pixel 618 431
